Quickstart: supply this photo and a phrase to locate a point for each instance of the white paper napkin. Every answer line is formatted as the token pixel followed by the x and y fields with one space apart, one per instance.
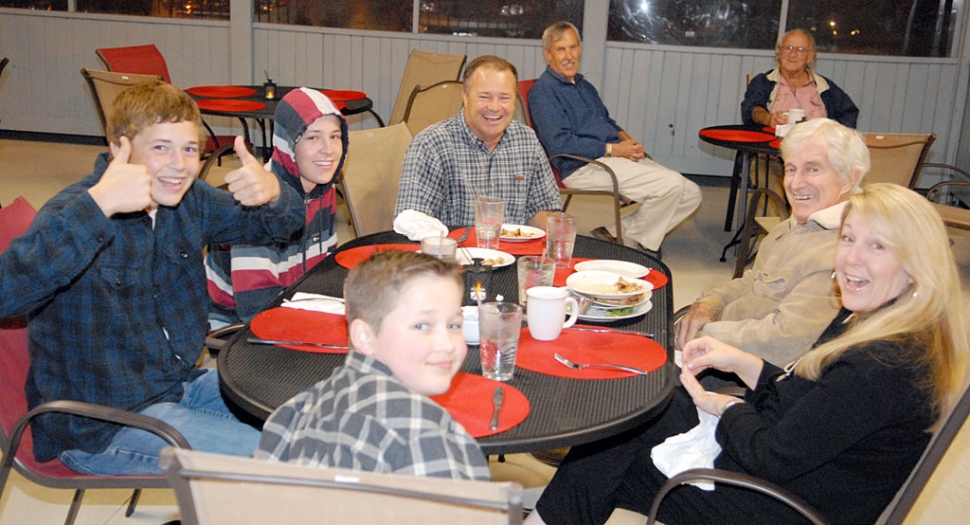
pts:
pixel 316 303
pixel 417 225
pixel 696 448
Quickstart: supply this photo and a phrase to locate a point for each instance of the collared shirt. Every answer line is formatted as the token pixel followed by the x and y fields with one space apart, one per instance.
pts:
pixel 778 308
pixel 447 165
pixel 569 117
pixel 805 97
pixel 117 306
pixel 364 418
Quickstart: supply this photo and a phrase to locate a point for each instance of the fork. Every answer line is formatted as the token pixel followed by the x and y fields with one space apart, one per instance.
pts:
pixel 580 366
pixel 464 250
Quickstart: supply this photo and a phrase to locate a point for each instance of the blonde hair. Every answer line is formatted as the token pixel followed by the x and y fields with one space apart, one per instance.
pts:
pixel 930 315
pixel 373 287
pixel 148 104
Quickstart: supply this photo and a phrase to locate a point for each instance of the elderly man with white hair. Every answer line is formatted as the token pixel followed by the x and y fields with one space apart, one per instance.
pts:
pixel 779 307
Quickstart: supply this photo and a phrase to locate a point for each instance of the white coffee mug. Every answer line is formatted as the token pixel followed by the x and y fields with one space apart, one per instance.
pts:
pixel 469 324
pixel 547 307
pixel 795 115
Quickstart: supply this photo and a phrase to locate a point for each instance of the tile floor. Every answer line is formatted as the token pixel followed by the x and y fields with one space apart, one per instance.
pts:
pixel 37 170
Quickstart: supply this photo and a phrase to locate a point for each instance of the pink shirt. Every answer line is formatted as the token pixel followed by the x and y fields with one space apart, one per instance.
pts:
pixel 806 97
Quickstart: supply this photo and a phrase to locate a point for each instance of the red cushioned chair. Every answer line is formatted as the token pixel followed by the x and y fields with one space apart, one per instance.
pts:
pixel 619 201
pixel 16 441
pixel 148 60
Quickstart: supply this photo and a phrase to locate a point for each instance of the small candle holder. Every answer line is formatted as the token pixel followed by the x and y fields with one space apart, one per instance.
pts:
pixel 270 89
pixel 478 280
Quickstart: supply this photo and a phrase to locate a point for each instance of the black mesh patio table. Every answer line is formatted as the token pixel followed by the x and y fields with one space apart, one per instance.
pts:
pixel 564 412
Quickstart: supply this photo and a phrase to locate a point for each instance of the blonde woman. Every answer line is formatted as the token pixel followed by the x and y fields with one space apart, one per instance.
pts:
pixel 851 417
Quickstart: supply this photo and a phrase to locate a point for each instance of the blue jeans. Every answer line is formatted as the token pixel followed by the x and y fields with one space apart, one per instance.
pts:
pixel 201 416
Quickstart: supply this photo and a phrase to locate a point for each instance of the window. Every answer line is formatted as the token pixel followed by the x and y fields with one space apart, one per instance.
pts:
pixel 384 15
pixel 878 27
pixel 493 18
pixel 498 18
pixel 207 9
pixel 871 27
pixel 751 24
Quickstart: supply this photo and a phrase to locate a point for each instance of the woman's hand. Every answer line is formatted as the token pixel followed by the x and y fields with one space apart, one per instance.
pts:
pixel 709 402
pixel 707 352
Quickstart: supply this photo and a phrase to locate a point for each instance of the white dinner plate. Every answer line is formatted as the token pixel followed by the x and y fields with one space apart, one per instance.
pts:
pixel 498 258
pixel 626 269
pixel 603 284
pixel 610 306
pixel 600 315
pixel 520 233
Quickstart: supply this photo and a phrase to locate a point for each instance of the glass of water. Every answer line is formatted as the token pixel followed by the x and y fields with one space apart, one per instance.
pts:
pixel 489 214
pixel 534 270
pixel 560 238
pixel 499 325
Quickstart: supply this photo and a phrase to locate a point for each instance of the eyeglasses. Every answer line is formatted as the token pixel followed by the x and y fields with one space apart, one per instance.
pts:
pixel 795 50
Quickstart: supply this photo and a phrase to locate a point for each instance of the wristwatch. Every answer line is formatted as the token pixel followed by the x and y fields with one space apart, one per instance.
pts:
pixel 609 150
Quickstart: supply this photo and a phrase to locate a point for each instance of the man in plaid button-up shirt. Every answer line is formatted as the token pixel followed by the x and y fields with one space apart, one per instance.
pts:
pixel 480 151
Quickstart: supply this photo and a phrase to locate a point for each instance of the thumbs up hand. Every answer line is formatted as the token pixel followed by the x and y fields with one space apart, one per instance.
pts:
pixel 251 184
pixel 123 187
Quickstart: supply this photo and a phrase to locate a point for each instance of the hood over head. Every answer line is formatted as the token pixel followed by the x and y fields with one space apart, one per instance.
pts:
pixel 294 113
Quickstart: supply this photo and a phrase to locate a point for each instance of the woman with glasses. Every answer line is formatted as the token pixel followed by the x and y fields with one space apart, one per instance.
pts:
pixel 795 85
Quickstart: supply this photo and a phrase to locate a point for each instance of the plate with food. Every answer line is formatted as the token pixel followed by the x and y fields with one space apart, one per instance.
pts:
pixel 606 285
pixel 598 314
pixel 623 302
pixel 520 233
pixel 493 258
pixel 626 269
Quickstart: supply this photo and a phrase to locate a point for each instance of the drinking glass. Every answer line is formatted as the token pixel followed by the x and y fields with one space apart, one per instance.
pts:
pixel 534 270
pixel 489 214
pixel 444 248
pixel 499 325
pixel 560 238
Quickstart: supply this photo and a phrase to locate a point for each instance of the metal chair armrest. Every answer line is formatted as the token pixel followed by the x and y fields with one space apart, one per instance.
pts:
pixel 218 338
pixel 947 183
pixel 616 184
pixel 212 158
pixel 738 480
pixel 104 413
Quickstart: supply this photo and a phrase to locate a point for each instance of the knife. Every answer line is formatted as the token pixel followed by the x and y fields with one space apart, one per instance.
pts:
pixel 609 331
pixel 258 341
pixel 497 398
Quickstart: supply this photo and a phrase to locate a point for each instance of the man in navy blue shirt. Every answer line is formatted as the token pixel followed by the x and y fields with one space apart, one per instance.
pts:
pixel 110 275
pixel 569 117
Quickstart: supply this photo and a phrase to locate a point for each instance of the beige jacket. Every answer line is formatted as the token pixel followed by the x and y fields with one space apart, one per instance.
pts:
pixel 779 307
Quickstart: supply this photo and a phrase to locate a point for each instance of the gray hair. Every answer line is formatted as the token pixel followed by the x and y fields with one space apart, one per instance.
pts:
pixel 554 32
pixel 847 150
pixel 811 44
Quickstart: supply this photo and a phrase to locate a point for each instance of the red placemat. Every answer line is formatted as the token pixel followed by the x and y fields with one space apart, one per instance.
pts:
pixel 768 129
pixel 589 347
pixel 654 277
pixel 292 324
pixel 222 91
pixel 469 401
pixel 536 247
pixel 354 256
pixel 775 144
pixel 230 105
pixel 343 94
pixel 736 135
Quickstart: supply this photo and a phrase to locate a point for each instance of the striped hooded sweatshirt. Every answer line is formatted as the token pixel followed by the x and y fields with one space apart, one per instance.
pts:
pixel 243 279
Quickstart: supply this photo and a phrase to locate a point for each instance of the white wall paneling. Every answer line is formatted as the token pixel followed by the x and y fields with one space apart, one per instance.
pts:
pixel 661 94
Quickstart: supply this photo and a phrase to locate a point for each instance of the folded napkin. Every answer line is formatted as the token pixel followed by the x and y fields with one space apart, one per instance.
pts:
pixel 695 448
pixel 315 303
pixel 417 225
